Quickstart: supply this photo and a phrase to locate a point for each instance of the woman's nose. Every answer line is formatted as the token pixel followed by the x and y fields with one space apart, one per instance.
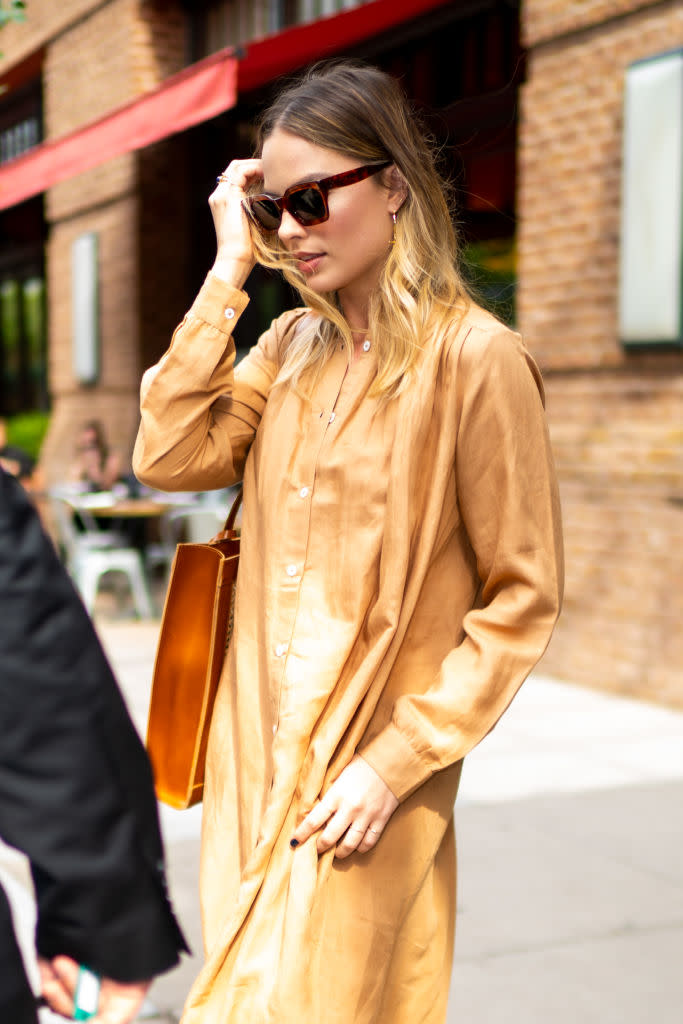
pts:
pixel 290 229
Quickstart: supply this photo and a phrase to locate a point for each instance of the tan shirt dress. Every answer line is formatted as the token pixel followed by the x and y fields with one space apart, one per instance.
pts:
pixel 400 574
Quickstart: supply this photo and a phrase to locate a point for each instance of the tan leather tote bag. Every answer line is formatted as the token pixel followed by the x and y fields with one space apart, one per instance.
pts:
pixel 196 628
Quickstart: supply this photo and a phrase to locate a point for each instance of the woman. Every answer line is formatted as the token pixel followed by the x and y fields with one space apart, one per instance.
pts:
pixel 401 560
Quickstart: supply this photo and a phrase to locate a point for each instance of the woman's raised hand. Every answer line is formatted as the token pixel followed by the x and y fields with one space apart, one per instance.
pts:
pixel 235 251
pixel 353 813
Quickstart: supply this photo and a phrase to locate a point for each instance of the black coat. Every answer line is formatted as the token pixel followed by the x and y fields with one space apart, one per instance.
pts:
pixel 76 792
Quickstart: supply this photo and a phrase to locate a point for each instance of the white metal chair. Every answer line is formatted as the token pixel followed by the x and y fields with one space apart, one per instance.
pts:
pixel 196 525
pixel 160 552
pixel 91 553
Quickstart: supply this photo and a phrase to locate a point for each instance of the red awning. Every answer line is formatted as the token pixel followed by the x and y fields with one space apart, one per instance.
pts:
pixel 193 95
pixel 199 93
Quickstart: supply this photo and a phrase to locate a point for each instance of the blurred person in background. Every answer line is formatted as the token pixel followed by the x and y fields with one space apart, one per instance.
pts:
pixel 76 793
pixel 95 466
pixel 401 562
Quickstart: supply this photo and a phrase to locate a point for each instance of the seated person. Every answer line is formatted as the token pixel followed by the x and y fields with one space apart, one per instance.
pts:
pixel 95 466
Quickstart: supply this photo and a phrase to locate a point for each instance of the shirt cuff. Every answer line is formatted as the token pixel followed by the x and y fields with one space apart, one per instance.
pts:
pixel 219 304
pixel 395 761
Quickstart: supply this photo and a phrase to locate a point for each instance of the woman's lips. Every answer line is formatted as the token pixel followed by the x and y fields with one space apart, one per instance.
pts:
pixel 308 262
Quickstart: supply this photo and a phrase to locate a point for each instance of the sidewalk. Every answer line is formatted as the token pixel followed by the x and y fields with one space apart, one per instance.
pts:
pixel 570 858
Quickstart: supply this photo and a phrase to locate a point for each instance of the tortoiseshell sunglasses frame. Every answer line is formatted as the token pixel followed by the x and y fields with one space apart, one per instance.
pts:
pixel 321 187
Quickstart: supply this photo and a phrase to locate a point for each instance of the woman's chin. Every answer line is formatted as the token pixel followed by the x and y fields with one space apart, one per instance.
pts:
pixel 318 284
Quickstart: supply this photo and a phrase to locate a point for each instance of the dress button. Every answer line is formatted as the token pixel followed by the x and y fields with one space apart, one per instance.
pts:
pixel 280 650
pixel 332 418
pixel 229 313
pixel 303 493
pixel 291 570
pixel 366 346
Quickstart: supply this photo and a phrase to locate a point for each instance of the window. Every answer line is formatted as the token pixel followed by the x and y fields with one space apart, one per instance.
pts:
pixel 23 362
pixel 219 23
pixel 651 258
pixel 20 123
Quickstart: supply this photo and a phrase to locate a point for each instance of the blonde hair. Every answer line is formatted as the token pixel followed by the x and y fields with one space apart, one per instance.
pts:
pixel 360 111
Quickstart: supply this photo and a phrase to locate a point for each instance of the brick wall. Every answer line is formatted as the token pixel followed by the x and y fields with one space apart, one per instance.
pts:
pixel 616 418
pixel 45 19
pixel 569 186
pixel 618 442
pixel 543 20
pixel 115 52
pixel 159 43
pixel 114 399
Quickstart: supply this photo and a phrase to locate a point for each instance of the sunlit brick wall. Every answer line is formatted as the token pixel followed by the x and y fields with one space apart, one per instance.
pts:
pixel 119 51
pixel 45 19
pixel 616 417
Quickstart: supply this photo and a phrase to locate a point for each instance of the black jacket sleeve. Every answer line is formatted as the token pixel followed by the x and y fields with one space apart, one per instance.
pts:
pixel 76 791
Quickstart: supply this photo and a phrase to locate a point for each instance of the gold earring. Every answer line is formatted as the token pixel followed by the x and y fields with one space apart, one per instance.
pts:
pixel 393 237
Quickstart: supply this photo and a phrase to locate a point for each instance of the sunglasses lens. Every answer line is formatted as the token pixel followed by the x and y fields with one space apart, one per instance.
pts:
pixel 266 212
pixel 307 205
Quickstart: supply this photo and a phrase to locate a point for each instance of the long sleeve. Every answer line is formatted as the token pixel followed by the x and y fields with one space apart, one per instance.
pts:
pixel 508 501
pixel 76 791
pixel 199 415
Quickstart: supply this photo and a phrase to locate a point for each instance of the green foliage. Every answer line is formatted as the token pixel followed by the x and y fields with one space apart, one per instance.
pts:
pixel 14 11
pixel 27 430
pixel 490 267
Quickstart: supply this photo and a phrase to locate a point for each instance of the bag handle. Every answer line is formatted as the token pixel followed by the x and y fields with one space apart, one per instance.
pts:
pixel 228 532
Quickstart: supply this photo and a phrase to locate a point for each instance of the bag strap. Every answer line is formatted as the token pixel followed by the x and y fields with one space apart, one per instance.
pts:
pixel 228 532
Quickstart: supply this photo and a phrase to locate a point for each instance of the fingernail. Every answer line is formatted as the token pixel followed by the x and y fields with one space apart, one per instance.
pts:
pixel 294 843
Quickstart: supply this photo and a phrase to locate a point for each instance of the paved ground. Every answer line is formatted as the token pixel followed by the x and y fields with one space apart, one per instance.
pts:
pixel 570 851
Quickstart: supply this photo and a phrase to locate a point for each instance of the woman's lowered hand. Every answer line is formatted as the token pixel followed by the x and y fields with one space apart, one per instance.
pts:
pixel 353 813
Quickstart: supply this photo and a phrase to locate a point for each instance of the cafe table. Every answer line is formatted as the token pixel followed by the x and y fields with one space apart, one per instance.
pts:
pixel 100 506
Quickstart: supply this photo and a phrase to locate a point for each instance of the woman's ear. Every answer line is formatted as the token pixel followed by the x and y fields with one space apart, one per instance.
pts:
pixel 397 186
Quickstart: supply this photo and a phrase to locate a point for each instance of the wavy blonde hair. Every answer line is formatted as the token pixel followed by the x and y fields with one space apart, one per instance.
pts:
pixel 360 111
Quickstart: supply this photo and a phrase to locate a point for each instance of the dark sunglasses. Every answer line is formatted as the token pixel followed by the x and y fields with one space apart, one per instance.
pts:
pixel 307 203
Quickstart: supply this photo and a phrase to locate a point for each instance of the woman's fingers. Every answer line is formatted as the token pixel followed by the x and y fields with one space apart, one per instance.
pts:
pixel 240 174
pixel 313 821
pixel 371 837
pixel 233 235
pixel 338 828
pixel 352 814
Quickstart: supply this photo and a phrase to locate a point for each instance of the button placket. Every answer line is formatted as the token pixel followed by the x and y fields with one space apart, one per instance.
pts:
pixel 299 519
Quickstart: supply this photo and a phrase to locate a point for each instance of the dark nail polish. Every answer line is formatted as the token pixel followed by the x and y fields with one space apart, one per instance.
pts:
pixel 294 843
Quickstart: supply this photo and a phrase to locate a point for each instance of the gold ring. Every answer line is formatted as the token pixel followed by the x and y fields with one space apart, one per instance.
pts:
pixel 224 178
